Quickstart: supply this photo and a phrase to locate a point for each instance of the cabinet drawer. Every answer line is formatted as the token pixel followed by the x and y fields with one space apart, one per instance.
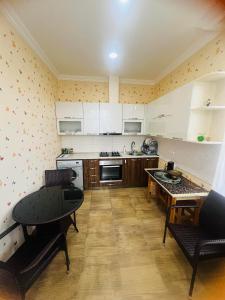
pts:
pixel 93 184
pixel 111 184
pixel 93 163
pixel 92 171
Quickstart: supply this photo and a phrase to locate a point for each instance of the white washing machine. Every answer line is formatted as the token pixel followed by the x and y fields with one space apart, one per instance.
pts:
pixel 77 166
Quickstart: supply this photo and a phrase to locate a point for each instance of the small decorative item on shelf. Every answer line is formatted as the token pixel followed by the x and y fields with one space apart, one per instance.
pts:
pixel 67 150
pixel 70 150
pixel 208 102
pixel 200 138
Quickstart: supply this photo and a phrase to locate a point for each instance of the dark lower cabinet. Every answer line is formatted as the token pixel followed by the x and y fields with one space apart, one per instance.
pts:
pixel 148 163
pixel 134 174
pixel 91 173
pixel 134 171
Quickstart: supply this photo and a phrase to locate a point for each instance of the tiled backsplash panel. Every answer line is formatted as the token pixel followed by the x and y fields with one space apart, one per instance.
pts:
pixel 198 160
pixel 100 143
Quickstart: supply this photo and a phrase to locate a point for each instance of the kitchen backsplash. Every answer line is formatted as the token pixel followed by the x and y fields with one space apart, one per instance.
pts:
pixel 196 159
pixel 100 143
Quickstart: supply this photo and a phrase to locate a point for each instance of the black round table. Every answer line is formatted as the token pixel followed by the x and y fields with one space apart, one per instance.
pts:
pixel 47 205
pixel 49 210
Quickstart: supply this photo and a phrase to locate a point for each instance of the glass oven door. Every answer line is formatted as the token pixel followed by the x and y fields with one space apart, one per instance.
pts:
pixel 110 170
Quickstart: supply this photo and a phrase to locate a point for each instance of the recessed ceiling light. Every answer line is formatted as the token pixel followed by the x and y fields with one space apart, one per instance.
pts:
pixel 124 1
pixel 113 55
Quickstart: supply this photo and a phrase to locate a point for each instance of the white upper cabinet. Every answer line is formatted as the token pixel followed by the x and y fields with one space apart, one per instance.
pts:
pixel 158 112
pixel 91 118
pixel 110 118
pixel 69 110
pixel 133 112
pixel 169 115
pixel 178 112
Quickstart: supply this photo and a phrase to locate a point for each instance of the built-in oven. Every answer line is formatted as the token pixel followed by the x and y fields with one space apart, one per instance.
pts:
pixel 111 170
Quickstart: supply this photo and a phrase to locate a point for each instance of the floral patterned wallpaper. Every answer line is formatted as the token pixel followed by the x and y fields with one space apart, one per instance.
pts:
pixel 84 91
pixel 210 58
pixel 28 139
pixel 133 93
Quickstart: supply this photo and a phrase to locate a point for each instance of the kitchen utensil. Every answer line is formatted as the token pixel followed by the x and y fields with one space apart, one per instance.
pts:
pixel 163 176
pixel 174 174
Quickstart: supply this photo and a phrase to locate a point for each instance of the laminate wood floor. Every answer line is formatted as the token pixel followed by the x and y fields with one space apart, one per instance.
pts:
pixel 118 254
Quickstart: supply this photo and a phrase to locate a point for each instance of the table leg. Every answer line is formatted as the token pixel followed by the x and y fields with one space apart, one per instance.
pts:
pixel 172 212
pixel 25 233
pixel 197 211
pixel 149 188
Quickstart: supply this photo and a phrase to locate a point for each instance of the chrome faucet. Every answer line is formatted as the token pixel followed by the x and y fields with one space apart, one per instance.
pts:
pixel 132 147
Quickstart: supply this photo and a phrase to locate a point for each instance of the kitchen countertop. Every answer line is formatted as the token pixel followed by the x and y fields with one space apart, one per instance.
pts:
pixel 95 155
pixel 185 188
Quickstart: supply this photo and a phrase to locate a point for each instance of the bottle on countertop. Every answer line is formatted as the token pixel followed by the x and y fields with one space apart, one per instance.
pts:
pixel 124 149
pixel 170 165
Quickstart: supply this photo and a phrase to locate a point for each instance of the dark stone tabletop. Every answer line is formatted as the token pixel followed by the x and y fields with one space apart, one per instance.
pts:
pixel 185 186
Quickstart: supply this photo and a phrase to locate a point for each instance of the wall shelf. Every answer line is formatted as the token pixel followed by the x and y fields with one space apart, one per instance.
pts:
pixel 204 142
pixel 189 141
pixel 209 108
pixel 208 120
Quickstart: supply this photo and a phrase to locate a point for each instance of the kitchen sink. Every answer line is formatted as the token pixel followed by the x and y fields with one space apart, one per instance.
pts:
pixel 136 153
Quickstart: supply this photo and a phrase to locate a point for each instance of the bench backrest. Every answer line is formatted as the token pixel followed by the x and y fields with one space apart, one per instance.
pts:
pixel 58 177
pixel 212 215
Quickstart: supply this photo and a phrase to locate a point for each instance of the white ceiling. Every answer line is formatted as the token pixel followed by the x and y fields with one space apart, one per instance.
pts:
pixel 150 36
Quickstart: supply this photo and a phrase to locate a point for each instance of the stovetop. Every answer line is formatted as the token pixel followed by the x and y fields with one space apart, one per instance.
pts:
pixel 109 154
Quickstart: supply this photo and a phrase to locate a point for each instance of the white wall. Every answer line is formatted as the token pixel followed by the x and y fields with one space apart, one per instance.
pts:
pixel 100 143
pixel 199 160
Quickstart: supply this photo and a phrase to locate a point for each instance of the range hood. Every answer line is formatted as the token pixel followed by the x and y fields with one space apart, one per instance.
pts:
pixel 113 89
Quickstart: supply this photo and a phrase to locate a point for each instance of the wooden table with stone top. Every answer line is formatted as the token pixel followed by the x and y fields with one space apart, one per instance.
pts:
pixel 184 190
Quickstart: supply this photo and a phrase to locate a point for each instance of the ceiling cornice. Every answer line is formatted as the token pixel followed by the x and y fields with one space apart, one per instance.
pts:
pixel 83 78
pixel 186 55
pixel 7 10
pixel 104 79
pixel 137 81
